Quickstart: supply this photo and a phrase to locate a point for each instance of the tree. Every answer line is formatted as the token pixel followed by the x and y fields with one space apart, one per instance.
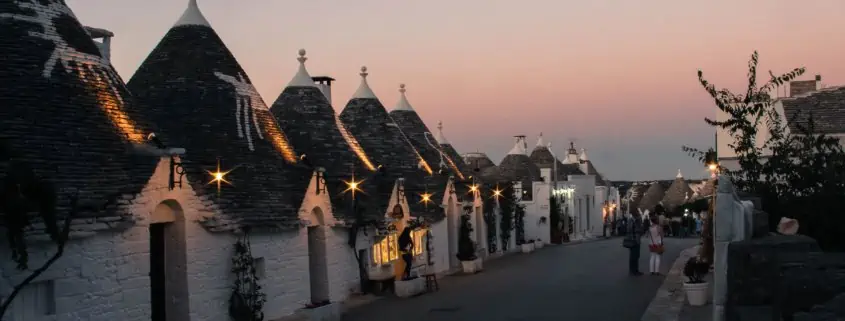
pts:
pixel 796 173
pixel 24 198
pixel 466 247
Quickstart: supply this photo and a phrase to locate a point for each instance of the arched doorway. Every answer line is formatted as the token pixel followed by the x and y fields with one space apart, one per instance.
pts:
pixel 452 226
pixel 318 267
pixel 168 263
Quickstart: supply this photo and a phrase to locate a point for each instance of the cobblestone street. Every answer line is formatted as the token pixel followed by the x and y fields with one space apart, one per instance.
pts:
pixel 586 281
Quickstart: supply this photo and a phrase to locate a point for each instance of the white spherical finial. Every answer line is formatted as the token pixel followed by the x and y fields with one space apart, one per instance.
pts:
pixel 302 57
pixel 402 88
pixel 364 72
pixel 440 125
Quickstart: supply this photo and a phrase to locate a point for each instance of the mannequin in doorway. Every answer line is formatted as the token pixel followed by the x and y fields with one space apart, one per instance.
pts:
pixel 406 248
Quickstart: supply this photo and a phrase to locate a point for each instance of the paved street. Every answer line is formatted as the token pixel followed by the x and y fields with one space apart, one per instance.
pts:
pixel 576 282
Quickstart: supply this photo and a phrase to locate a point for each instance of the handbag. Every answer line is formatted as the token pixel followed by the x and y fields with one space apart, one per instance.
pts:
pixel 656 248
pixel 629 243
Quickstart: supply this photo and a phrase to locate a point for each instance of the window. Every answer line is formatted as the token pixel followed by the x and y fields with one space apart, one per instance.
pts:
pixel 387 250
pixel 418 236
pixel 36 300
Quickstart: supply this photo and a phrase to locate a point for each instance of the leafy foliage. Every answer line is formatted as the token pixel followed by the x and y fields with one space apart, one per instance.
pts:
pixel 247 301
pixel 490 221
pixel 555 217
pixel 519 222
pixel 507 203
pixel 695 270
pixel 796 173
pixel 466 247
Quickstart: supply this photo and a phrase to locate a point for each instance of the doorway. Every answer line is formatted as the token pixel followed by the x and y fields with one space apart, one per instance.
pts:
pixel 318 270
pixel 168 263
pixel 158 265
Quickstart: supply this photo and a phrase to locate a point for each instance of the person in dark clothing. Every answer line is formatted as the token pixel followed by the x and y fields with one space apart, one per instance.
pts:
pixel 406 248
pixel 632 239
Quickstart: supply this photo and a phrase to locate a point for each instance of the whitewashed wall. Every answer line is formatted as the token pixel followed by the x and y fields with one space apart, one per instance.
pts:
pixel 584 185
pixel 106 277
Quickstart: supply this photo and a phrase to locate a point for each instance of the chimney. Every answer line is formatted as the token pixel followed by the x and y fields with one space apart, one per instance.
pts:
pixel 801 87
pixel 325 85
pixel 105 44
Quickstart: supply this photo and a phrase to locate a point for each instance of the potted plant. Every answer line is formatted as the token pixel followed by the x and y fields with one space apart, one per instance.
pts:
pixel 526 247
pixel 696 287
pixel 538 244
pixel 466 247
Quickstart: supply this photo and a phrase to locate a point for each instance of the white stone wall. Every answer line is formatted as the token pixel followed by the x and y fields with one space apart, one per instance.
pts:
pixel 442 255
pixel 106 277
pixel 584 186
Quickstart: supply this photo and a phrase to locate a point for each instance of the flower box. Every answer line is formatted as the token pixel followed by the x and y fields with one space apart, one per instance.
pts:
pixel 472 266
pixel 409 288
pixel 328 312
pixel 527 247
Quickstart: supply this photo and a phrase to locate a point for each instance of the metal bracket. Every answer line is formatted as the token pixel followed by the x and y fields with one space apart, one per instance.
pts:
pixel 175 169
pixel 321 181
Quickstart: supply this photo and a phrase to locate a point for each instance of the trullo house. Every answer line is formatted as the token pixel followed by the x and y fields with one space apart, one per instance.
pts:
pixel 163 247
pixel 459 197
pixel 369 122
pixel 196 92
pixel 677 194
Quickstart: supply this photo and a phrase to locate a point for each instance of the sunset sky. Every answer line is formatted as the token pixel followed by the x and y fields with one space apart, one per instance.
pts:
pixel 616 76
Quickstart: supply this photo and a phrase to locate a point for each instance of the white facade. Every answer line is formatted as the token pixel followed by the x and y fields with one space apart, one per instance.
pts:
pixel 106 276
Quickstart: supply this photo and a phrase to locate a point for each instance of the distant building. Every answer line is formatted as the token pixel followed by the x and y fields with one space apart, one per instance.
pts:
pixel 805 98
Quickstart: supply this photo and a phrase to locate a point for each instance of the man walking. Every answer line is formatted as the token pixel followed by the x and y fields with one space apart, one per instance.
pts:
pixel 633 234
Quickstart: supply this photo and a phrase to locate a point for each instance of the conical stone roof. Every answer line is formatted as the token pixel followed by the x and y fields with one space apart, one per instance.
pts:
pixel 306 116
pixel 677 194
pixel 368 121
pixel 653 195
pixel 422 138
pixel 542 156
pixel 451 152
pixel 517 166
pixel 195 90
pixel 66 114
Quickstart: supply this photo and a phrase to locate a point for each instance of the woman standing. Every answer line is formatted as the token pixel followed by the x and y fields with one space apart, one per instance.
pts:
pixel 406 248
pixel 655 246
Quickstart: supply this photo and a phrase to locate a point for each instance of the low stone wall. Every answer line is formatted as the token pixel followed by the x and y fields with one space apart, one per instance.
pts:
pixel 782 274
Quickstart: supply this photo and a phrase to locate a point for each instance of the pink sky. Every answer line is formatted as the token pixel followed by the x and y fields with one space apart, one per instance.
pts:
pixel 618 76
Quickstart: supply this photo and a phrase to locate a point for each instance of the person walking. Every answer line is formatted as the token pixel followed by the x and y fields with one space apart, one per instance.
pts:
pixel 655 247
pixel 632 243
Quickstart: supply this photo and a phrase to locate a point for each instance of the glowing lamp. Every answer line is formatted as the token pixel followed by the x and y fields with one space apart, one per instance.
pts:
pixel 218 177
pixel 497 193
pixel 352 186
pixel 473 188
pixel 425 198
pixel 713 167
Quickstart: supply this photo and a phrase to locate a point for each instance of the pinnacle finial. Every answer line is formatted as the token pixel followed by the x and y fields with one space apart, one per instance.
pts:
pixel 302 57
pixel 402 88
pixel 364 72
pixel 440 125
